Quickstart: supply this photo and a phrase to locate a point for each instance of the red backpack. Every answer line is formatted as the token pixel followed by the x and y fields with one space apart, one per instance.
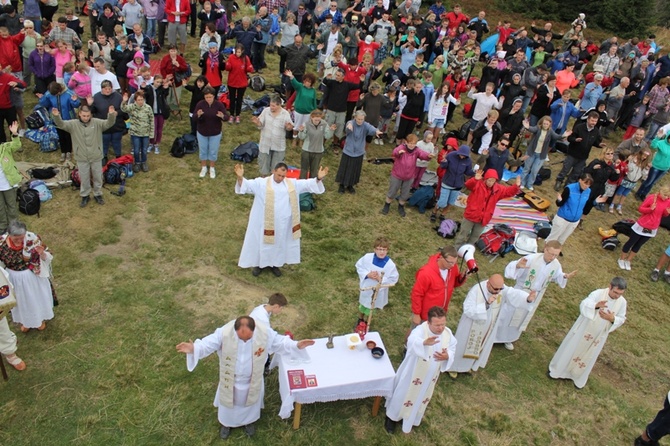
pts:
pixel 498 240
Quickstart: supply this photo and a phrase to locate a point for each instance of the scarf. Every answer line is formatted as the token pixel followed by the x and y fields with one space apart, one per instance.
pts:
pixel 481 330
pixel 213 61
pixel 228 359
pixel 30 256
pixel 269 224
pixel 420 377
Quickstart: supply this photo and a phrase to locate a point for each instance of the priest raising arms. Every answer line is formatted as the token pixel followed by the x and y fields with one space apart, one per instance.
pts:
pixel 243 347
pixel 532 273
pixel 479 322
pixel 273 232
pixel 602 312
pixel 430 350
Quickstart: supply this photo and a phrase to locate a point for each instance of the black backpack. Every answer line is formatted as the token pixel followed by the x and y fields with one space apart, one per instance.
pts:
pixel 178 149
pixel 113 174
pixel 190 143
pixel 257 82
pixel 29 202
pixel 37 118
pixel 246 152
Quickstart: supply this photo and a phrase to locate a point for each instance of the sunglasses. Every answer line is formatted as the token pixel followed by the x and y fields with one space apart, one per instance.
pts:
pixel 503 144
pixel 496 289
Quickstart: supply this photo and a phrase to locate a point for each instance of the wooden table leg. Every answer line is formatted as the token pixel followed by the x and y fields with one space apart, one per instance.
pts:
pixel 375 405
pixel 296 415
pixel 2 367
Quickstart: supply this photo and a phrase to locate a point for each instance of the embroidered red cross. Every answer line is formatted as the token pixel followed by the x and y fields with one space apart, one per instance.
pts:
pixel 577 359
pixel 259 352
pixel 425 401
pixel 588 336
pixel 408 404
pixel 417 382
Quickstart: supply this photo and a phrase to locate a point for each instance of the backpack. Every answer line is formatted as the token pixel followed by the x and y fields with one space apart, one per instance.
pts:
pixel 178 149
pixel 257 82
pixel 498 240
pixel 448 228
pixel 37 118
pixel 179 78
pixel 113 173
pixel 42 189
pixel 74 177
pixel 463 131
pixel 29 202
pixel 610 243
pixel 190 143
pixel 263 101
pixel 43 174
pixel 422 197
pixel 307 202
pixel 542 229
pixel 155 46
pixel 543 174
pixel 246 152
pixel 624 226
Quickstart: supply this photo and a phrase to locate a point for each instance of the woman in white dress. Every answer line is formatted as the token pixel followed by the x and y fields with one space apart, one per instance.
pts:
pixel 28 262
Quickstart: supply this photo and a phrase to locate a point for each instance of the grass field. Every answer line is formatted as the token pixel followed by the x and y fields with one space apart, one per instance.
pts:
pixel 159 266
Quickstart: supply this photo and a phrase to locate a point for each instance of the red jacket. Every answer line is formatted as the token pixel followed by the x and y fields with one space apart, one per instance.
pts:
pixel 167 67
pixel 431 290
pixel 456 19
pixel 9 52
pixel 651 218
pixel 482 201
pixel 353 73
pixel 237 68
pixel 171 7
pixel 5 79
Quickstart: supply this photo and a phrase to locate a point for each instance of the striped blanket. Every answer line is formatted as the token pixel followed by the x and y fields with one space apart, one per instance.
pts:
pixel 517 213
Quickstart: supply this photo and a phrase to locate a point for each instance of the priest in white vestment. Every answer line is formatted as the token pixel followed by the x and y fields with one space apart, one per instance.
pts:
pixel 273 232
pixel 532 273
pixel 243 347
pixel 479 322
pixel 370 268
pixel 430 350
pixel 602 312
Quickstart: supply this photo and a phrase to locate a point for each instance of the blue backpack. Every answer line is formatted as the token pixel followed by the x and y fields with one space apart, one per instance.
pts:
pixel 42 189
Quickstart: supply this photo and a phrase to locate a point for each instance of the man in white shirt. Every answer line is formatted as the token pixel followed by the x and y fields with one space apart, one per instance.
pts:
pixel 100 73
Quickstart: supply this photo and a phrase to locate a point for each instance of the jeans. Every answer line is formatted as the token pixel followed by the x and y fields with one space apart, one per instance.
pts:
pixel 530 169
pixel 113 139
pixel 526 99
pixel 653 130
pixel 209 147
pixel 140 144
pixel 258 55
pixel 151 28
pixel 652 178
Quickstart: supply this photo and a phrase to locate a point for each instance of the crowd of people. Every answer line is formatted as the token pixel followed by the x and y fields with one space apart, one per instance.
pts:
pixel 374 72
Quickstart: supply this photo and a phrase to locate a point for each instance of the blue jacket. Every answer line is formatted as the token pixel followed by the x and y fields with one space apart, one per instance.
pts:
pixel 65 105
pixel 456 170
pixel 265 24
pixel 274 26
pixel 560 113
pixel 245 37
pixel 573 208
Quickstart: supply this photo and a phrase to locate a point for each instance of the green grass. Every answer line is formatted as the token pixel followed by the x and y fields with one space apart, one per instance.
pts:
pixel 159 266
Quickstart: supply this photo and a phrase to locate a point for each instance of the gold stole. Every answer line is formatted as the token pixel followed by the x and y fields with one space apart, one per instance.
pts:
pixel 269 223
pixel 419 375
pixel 481 330
pixel 521 316
pixel 228 359
pixel 592 337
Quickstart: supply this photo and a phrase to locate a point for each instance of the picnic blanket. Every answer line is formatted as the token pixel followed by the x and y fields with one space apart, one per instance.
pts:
pixel 61 179
pixel 517 213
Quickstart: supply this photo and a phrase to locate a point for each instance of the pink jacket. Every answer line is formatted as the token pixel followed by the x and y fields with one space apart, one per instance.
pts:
pixel 651 218
pixel 80 84
pixel 404 164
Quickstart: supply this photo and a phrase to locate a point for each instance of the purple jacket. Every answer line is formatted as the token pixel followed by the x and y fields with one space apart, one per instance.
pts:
pixel 41 66
pixel 404 164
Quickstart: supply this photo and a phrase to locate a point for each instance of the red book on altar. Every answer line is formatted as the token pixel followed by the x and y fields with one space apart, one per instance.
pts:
pixel 296 379
pixel 311 380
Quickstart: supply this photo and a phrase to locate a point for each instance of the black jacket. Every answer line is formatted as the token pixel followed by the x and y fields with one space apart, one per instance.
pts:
pixel 480 130
pixel 581 149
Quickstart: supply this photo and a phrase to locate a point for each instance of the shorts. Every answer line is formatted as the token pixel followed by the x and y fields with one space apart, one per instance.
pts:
pixel 437 123
pixel 623 191
pixel 473 124
pixel 448 197
pixel 667 251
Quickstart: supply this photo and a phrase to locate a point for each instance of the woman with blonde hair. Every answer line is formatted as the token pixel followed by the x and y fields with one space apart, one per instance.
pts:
pixel 332 60
pixel 543 138
pixel 638 168
pixel 653 209
pixel 602 169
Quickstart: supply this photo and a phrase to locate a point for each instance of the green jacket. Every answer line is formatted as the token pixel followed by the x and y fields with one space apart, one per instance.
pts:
pixel 141 119
pixel 661 160
pixel 86 138
pixel 305 98
pixel 7 162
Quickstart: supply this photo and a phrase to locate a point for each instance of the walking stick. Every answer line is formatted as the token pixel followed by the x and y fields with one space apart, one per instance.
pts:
pixel 375 289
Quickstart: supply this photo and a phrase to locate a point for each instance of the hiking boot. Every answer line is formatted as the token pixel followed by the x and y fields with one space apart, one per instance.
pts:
pixel 654 275
pixel 276 271
pixel 385 209
pixel 639 441
pixel 99 200
pixel 145 167
pixel 224 433
pixel 256 271
pixel 401 210
pixel 250 430
pixel 84 202
pixel 136 167
pixel 557 185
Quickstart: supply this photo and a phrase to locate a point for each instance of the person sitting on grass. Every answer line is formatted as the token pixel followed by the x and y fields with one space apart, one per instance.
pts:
pixel 373 268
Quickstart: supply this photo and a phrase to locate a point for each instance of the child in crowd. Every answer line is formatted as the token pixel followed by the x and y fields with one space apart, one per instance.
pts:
pixel 622 165
pixel 196 96
pixel 638 169
pixel 133 70
pixel 68 72
pixel 80 82
pixel 639 117
pixel 141 128
pixel 428 90
pixel 274 29
pixel 425 145
pixel 438 109
pixel 122 55
pixel 373 268
pixel 389 104
pixel 156 97
pixel 144 78
pixel 313 133
pixel 402 173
